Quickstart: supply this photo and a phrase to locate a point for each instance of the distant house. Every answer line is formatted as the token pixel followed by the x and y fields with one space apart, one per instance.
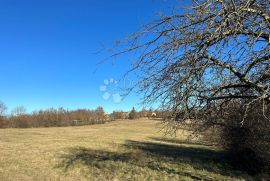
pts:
pixel 125 115
pixel 76 122
pixel 107 116
pixel 120 115
pixel 154 114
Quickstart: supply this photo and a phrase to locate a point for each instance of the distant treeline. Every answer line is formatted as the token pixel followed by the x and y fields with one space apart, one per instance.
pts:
pixel 54 118
pixel 62 117
pixel 133 114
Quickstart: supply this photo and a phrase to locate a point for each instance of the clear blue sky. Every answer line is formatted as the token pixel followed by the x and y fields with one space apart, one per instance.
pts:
pixel 47 50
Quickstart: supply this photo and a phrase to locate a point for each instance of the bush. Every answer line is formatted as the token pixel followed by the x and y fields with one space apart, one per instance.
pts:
pixel 247 142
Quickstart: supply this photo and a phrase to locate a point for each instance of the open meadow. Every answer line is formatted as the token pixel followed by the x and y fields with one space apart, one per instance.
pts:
pixel 119 150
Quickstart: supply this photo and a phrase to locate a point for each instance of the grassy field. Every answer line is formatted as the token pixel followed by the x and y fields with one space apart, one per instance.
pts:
pixel 120 150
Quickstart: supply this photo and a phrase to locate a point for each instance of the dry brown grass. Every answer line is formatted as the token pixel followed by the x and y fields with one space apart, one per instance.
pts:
pixel 120 150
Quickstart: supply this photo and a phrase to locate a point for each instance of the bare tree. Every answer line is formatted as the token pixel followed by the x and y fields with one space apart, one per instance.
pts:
pixel 99 114
pixel 3 108
pixel 19 111
pixel 209 55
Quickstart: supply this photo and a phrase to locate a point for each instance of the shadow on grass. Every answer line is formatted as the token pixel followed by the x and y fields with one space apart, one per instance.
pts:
pixel 180 142
pixel 162 158
pixel 176 153
pixel 91 157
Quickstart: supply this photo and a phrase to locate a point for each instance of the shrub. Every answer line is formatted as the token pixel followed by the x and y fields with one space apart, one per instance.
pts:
pixel 246 140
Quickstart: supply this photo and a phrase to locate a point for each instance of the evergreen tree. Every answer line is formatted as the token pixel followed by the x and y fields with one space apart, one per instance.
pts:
pixel 133 114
